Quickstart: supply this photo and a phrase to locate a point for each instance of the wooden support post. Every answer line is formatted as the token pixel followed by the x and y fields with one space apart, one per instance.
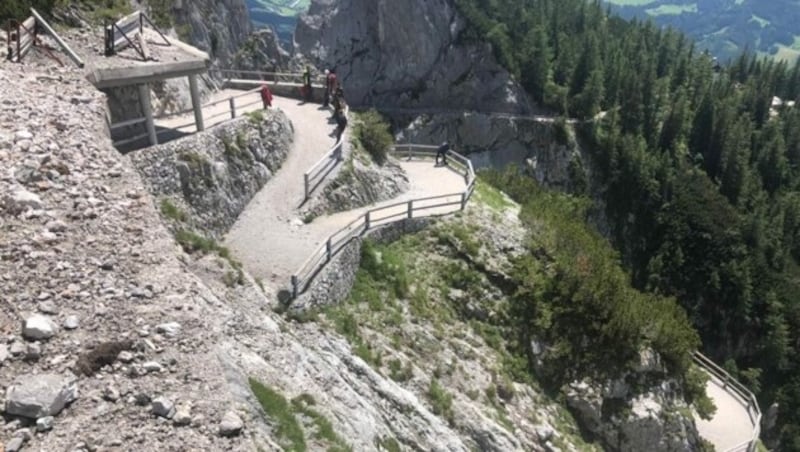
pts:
pixel 196 104
pixel 40 21
pixel 329 249
pixel 294 286
pixel 144 100
pixel 366 221
pixel 232 103
pixel 463 200
pixel 411 209
pixel 305 184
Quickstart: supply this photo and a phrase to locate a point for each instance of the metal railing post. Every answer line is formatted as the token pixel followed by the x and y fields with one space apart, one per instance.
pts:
pixel 294 286
pixel 366 221
pixel 411 209
pixel 329 249
pixel 408 149
pixel 305 183
pixel 463 200
pixel 232 103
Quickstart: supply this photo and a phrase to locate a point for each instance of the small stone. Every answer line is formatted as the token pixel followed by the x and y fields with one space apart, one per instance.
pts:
pixel 15 445
pixel 47 307
pixel 111 394
pixel 163 407
pixel 17 348
pixel 4 354
pixel 56 226
pixel 141 399
pixel 44 424
pixel 152 366
pixel 231 424
pixel 33 352
pixel 38 327
pixel 170 329
pixel 182 416
pixel 71 322
pixel 22 135
pixel 125 357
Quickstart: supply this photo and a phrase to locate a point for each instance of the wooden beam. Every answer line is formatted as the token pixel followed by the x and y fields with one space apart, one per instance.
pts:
pixel 40 21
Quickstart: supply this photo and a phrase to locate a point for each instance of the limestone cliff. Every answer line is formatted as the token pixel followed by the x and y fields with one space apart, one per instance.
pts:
pixel 406 54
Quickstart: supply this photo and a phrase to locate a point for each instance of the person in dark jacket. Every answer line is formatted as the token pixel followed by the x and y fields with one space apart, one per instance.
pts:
pixel 341 124
pixel 307 93
pixel 442 151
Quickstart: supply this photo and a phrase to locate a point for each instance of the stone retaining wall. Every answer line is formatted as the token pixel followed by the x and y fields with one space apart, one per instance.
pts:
pixel 213 175
pixel 333 283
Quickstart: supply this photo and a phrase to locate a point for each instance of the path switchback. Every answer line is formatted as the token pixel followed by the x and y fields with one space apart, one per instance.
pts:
pixel 271 239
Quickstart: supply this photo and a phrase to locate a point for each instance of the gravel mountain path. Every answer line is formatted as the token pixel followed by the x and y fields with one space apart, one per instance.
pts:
pixel 271 239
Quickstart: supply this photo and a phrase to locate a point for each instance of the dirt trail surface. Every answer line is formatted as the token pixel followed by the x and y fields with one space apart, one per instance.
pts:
pixel 731 426
pixel 271 239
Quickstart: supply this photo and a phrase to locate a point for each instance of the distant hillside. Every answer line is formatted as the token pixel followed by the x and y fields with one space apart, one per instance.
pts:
pixel 280 14
pixel 726 27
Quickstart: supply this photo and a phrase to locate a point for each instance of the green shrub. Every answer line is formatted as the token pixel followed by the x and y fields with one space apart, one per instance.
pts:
pixel 399 372
pixel 171 211
pixel 276 407
pixel 441 400
pixel 373 133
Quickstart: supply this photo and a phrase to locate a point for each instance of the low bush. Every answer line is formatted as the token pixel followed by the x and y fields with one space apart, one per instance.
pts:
pixel 372 132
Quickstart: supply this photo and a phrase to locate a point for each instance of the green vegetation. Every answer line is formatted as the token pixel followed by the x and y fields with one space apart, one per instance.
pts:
pixel 172 212
pixel 277 408
pixel 294 420
pixel 372 132
pixel 256 117
pixel 441 400
pixel 697 176
pixel 725 28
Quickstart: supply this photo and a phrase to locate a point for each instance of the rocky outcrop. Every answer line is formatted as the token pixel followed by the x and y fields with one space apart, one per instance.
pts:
pixel 546 148
pixel 655 420
pixel 218 27
pixel 212 175
pixel 405 54
pixel 261 52
pixel 360 182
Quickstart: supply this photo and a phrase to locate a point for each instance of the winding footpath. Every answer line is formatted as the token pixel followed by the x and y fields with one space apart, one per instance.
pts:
pixel 272 241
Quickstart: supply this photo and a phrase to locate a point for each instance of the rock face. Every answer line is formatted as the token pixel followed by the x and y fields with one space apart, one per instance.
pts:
pixel 652 421
pixel 545 148
pixel 405 54
pixel 360 182
pixel 218 27
pixel 37 396
pixel 261 52
pixel 212 175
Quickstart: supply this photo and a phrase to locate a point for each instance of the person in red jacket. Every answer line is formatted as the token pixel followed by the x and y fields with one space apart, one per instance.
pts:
pixel 266 96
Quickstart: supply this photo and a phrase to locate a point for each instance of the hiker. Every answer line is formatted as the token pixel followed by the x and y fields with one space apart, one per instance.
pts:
pixel 338 102
pixel 266 96
pixel 307 94
pixel 330 81
pixel 327 98
pixel 442 151
pixel 341 124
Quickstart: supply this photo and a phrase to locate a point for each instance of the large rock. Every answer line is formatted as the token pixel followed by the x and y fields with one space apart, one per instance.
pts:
pixel 20 200
pixel 231 424
pixel 406 53
pixel 38 327
pixel 261 52
pixel 36 396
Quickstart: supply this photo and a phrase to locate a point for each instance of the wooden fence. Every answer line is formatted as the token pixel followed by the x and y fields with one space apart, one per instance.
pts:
pixel 415 208
pixel 129 32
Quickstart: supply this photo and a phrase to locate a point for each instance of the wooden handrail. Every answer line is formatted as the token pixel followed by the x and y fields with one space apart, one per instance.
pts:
pixel 324 253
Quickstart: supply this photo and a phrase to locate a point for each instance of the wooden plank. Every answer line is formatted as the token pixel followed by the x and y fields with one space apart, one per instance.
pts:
pixel 129 19
pixel 143 46
pixel 74 56
pixel 29 23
